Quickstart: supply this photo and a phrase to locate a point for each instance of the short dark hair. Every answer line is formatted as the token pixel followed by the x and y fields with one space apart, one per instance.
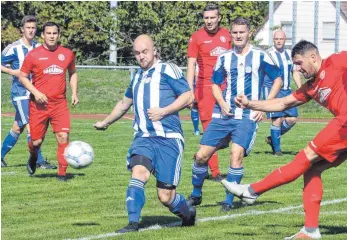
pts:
pixel 241 21
pixel 212 7
pixel 27 19
pixel 303 47
pixel 50 24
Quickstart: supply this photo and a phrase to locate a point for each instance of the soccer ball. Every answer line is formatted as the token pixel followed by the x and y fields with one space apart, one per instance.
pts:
pixel 79 154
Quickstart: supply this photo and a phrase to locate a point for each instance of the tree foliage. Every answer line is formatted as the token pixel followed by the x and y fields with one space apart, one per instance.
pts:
pixel 88 28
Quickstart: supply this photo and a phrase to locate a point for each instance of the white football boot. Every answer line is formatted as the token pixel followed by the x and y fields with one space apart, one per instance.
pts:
pixel 240 190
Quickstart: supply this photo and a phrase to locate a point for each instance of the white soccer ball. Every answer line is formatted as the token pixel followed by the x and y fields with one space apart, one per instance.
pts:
pixel 79 154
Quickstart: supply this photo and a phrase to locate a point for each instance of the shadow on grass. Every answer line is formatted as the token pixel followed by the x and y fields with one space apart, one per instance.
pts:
pixel 85 224
pixel 17 165
pixel 54 175
pixel 332 230
pixel 271 153
pixel 165 221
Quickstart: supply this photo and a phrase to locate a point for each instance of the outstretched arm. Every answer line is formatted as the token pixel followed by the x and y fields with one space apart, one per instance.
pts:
pixel 119 110
pixel 272 105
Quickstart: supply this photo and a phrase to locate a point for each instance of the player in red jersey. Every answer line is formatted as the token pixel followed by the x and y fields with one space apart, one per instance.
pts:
pixel 328 149
pixel 204 47
pixel 48 65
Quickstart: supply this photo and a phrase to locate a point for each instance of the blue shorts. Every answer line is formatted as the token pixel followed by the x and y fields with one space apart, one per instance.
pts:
pixel 220 132
pixel 165 154
pixel 22 111
pixel 291 112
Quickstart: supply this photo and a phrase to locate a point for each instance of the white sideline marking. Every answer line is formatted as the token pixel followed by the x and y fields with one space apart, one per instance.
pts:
pixel 219 218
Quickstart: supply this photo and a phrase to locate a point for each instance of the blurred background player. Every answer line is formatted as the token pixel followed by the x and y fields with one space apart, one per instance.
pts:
pixel 158 144
pixel 282 122
pixel 244 68
pixel 14 55
pixel 204 47
pixel 194 112
pixel 326 84
pixel 48 65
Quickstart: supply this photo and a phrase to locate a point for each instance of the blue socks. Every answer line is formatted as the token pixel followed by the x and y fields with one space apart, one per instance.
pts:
pixel 285 127
pixel 234 175
pixel 179 207
pixel 276 138
pixel 135 199
pixel 40 158
pixel 194 114
pixel 9 142
pixel 199 173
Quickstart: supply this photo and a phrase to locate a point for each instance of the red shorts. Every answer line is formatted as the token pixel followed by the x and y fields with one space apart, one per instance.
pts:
pixel 206 102
pixel 40 115
pixel 331 142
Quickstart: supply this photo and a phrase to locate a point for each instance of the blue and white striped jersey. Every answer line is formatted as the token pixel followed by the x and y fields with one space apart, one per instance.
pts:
pixel 244 75
pixel 14 54
pixel 285 63
pixel 159 86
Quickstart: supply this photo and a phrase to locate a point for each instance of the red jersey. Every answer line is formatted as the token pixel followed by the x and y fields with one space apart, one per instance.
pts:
pixel 329 88
pixel 206 48
pixel 48 69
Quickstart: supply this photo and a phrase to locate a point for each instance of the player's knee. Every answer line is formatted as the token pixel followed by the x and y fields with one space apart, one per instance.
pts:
pixel 16 129
pixel 276 122
pixel 201 157
pixel 166 196
pixel 62 137
pixel 37 142
pixel 140 172
pixel 291 121
pixel 311 155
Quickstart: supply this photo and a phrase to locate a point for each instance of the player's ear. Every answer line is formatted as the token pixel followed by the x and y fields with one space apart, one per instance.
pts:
pixel 155 50
pixel 21 29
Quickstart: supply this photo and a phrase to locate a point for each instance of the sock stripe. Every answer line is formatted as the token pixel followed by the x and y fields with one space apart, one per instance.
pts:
pixel 13 134
pixel 136 183
pixel 236 171
pixel 176 201
pixel 273 127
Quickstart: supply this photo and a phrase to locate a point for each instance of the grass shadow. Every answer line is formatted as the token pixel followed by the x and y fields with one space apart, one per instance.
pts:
pixel 165 221
pixel 54 175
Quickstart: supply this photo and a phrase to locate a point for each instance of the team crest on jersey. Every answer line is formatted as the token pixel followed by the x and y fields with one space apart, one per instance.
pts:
pixel 190 39
pixel 53 69
pixel 218 51
pixel 147 79
pixel 248 69
pixel 322 75
pixel 61 57
pixel 223 39
pixel 323 94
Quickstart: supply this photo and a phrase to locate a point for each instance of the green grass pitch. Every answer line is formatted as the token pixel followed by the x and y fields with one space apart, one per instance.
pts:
pixel 92 203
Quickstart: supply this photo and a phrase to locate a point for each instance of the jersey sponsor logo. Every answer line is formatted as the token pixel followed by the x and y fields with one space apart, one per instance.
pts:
pixel 53 69
pixel 248 69
pixel 209 41
pixel 218 51
pixel 322 75
pixel 323 94
pixel 61 57
pixel 222 38
pixel 43 58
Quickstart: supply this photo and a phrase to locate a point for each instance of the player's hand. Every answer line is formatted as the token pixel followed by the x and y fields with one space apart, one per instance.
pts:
pixel 40 97
pixel 156 114
pixel 226 109
pixel 241 101
pixel 258 116
pixel 101 125
pixel 74 100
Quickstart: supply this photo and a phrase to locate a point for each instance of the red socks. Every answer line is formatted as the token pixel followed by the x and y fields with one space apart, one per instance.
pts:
pixel 284 174
pixel 61 159
pixel 312 196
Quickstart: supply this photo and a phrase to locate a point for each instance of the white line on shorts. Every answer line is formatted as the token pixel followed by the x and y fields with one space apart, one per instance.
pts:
pixel 219 218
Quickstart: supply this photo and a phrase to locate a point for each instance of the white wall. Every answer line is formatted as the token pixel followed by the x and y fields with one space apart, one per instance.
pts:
pixel 305 24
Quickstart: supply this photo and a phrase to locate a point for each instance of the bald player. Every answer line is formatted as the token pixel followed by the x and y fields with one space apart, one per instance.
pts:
pixel 283 121
pixel 157 91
